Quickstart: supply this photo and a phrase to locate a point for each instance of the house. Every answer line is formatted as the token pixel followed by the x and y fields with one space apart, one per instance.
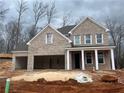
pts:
pixel 84 46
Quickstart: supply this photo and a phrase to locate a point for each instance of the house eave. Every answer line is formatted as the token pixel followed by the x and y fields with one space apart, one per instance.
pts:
pixel 91 48
pixel 19 51
pixel 106 29
pixel 29 43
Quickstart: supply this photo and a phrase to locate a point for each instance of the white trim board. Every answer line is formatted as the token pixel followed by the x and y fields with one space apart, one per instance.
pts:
pixel 94 21
pixel 19 51
pixel 91 48
pixel 44 30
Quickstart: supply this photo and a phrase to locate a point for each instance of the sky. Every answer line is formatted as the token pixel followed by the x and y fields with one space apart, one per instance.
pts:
pixel 97 9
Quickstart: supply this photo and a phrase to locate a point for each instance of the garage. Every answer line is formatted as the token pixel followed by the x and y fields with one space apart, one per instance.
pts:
pixel 21 63
pixel 49 62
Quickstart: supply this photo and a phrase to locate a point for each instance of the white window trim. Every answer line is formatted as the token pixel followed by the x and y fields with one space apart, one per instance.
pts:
pixel 47 40
pixel 85 39
pixel 52 39
pixel 103 59
pixel 86 59
pixel 96 39
pixel 79 39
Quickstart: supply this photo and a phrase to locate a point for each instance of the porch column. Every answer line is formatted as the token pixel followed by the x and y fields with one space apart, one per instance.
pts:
pixel 13 62
pixel 96 59
pixel 82 58
pixel 68 63
pixel 30 65
pixel 112 59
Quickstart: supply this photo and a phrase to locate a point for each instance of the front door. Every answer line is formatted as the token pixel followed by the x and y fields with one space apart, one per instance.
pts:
pixel 77 60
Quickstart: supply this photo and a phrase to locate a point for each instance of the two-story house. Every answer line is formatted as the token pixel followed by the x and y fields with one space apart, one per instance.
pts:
pixel 84 46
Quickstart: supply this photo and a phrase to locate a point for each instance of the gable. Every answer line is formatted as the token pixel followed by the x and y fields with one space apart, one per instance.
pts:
pixel 92 22
pixel 38 45
pixel 88 26
pixel 46 29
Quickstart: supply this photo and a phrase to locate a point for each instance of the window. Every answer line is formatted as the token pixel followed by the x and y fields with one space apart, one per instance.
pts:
pixel 99 38
pixel 88 58
pixel 100 57
pixel 49 38
pixel 88 39
pixel 77 40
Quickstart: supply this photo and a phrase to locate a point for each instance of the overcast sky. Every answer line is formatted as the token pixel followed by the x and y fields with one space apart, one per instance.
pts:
pixel 98 9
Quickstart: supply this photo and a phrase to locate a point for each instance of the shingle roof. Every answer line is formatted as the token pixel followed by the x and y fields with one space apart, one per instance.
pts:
pixel 22 47
pixel 64 30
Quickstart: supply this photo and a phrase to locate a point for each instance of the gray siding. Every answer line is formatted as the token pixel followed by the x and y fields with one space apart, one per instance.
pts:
pixel 88 27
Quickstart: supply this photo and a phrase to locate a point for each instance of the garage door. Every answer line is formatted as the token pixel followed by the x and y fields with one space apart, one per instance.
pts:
pixel 21 63
pixel 49 62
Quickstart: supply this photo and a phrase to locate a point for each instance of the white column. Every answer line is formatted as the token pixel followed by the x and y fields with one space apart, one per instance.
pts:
pixel 30 65
pixel 13 62
pixel 112 59
pixel 68 63
pixel 82 58
pixel 96 59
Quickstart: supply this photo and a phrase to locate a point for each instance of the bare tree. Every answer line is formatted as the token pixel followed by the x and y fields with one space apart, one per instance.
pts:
pixel 2 40
pixel 10 33
pixel 21 8
pixel 3 11
pixel 51 12
pixel 117 35
pixel 39 11
pixel 66 19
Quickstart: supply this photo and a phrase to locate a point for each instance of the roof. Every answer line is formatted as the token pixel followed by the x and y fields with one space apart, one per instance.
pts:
pixel 64 30
pixel 21 47
pixel 53 29
pixel 91 19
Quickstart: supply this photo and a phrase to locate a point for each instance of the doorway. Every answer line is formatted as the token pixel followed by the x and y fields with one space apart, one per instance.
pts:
pixel 77 60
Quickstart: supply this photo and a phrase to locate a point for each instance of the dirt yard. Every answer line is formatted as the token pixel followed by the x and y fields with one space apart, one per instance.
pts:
pixel 58 81
pixel 70 86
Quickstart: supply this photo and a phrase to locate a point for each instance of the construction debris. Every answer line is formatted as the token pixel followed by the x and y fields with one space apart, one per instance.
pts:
pixel 5 65
pixel 83 78
pixel 5 55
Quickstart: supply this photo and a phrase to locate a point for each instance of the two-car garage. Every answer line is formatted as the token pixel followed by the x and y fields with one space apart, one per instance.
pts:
pixel 49 62
pixel 42 62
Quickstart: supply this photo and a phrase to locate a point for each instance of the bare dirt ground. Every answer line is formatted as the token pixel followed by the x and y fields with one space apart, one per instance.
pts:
pixel 56 81
pixel 42 86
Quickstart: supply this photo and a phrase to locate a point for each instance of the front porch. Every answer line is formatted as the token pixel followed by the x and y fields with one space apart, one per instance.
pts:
pixel 89 58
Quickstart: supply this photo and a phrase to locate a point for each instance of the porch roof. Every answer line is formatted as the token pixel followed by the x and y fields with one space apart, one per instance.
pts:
pixel 91 48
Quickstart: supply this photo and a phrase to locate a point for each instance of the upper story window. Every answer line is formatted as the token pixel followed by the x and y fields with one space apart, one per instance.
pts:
pixel 99 38
pixel 88 39
pixel 77 40
pixel 49 38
